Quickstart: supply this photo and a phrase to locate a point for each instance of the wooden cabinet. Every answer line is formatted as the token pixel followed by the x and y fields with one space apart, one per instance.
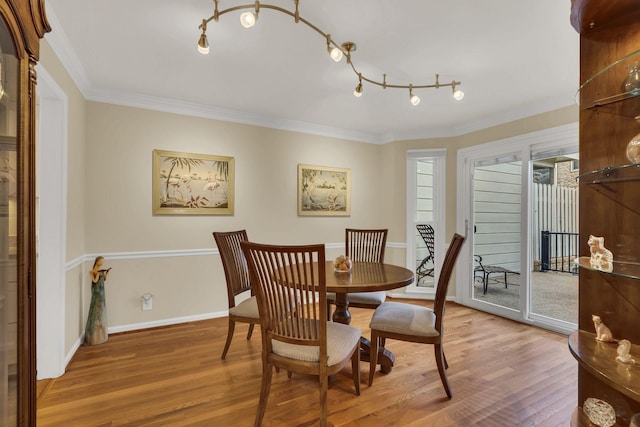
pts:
pixel 609 202
pixel 22 25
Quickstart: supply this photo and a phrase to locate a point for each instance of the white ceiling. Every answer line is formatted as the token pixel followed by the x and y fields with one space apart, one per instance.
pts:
pixel 515 58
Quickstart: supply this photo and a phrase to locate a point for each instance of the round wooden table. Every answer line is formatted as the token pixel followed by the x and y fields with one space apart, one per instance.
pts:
pixel 365 277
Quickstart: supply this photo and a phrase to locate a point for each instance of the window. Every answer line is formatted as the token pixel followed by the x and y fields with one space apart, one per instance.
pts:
pixel 425 207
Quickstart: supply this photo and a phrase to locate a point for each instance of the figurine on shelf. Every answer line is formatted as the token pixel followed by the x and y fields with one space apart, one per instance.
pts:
pixel 601 257
pixel 602 332
pixel 624 347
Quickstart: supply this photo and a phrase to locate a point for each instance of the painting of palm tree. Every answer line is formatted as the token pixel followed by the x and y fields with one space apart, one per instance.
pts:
pixel 324 191
pixel 187 183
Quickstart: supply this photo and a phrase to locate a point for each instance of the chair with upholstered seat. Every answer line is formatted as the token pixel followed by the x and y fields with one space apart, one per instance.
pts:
pixel 364 246
pixel 414 323
pixel 297 336
pixel 237 277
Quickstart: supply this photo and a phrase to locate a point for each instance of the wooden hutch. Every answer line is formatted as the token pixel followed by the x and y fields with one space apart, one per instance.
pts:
pixel 22 25
pixel 609 203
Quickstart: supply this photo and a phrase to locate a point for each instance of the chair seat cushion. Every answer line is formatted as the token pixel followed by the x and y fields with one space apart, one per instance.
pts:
pixel 247 308
pixel 402 318
pixel 370 298
pixel 340 341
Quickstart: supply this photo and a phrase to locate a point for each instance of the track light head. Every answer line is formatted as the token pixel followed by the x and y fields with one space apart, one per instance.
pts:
pixel 335 52
pixel 457 93
pixel 357 92
pixel 414 99
pixel 248 19
pixel 203 43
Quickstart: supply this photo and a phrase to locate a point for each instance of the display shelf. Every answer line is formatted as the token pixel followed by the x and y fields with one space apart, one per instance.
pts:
pixel 629 270
pixel 599 359
pixel 618 100
pixel 610 174
pixel 609 50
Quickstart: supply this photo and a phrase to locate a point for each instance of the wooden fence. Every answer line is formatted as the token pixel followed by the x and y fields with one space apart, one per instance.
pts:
pixel 555 209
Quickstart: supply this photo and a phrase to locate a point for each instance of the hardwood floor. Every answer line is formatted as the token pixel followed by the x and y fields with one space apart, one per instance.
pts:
pixel 502 373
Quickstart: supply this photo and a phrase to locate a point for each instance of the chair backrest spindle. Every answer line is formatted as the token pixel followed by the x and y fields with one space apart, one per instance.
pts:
pixel 365 245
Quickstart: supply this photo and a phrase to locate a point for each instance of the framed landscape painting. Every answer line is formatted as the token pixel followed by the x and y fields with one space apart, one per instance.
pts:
pixel 324 191
pixel 192 184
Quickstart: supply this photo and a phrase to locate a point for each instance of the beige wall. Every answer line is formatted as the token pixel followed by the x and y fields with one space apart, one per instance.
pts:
pixel 172 257
pixel 120 142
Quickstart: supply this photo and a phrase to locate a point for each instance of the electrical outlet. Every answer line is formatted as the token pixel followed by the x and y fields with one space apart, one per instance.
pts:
pixel 147 302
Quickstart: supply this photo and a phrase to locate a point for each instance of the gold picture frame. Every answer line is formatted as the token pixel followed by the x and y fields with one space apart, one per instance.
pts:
pixel 192 184
pixel 324 191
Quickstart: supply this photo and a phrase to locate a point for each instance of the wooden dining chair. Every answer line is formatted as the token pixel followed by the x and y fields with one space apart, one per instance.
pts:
pixel 296 336
pixel 413 323
pixel 363 246
pixel 237 277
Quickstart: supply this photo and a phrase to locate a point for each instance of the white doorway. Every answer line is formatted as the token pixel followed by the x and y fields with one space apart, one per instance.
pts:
pixel 51 193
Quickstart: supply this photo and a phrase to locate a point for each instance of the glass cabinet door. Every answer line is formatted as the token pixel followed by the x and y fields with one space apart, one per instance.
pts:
pixel 9 98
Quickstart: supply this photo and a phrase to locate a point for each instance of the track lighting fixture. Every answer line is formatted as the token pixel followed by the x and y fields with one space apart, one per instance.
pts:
pixel 336 51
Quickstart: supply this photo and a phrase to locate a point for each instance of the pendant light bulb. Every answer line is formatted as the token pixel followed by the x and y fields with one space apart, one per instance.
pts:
pixel 335 53
pixel 203 44
pixel 457 93
pixel 248 19
pixel 414 99
pixel 357 92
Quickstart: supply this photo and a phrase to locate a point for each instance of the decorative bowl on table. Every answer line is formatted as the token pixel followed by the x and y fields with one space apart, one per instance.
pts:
pixel 342 264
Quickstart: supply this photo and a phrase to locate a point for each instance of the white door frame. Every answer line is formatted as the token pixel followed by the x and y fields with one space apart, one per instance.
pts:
pixel 51 228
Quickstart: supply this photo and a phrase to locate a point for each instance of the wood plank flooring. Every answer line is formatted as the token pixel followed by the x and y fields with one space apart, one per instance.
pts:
pixel 502 373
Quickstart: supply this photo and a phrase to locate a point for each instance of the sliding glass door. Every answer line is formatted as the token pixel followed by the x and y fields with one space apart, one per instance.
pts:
pixel 517 202
pixel 497 222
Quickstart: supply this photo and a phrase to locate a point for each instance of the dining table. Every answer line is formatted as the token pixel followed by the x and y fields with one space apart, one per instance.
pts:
pixel 365 277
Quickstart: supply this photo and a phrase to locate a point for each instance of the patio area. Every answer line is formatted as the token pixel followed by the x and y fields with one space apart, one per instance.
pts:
pixel 553 294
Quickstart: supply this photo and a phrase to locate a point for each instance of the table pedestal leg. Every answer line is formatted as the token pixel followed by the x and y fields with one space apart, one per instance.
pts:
pixel 342 315
pixel 385 357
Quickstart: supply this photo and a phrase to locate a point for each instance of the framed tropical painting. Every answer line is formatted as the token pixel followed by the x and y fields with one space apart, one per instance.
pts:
pixel 324 191
pixel 192 184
